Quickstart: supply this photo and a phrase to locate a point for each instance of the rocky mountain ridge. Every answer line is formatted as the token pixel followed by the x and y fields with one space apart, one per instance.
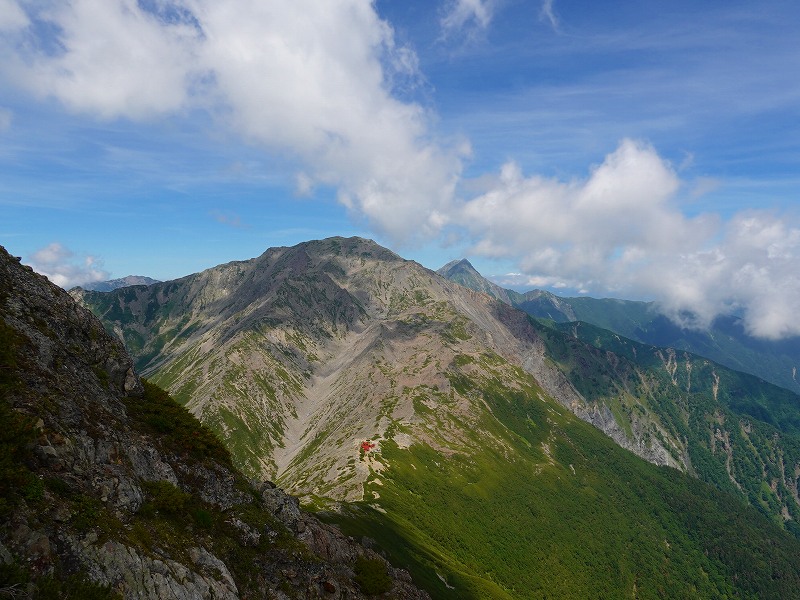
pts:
pixel 334 331
pixel 110 489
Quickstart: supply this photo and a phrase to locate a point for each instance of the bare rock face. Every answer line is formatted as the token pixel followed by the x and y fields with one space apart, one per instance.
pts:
pixel 107 487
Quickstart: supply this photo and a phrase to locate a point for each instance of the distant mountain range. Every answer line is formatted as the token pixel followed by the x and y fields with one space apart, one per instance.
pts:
pixel 114 284
pixel 725 342
pixel 442 424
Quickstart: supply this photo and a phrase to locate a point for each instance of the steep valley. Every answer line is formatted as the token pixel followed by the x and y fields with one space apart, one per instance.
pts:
pixel 734 429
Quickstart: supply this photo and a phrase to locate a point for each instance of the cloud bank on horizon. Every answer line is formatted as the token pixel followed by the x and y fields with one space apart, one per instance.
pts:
pixel 325 83
pixel 62 267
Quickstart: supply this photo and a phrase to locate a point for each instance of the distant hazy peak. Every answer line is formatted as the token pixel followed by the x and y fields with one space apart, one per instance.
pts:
pixel 113 284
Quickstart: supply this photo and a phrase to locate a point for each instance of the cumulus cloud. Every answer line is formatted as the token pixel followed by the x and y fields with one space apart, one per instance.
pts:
pixel 110 58
pixel 60 265
pixel 620 232
pixel 315 82
pixel 753 269
pixel 309 79
pixel 621 208
pixel 12 17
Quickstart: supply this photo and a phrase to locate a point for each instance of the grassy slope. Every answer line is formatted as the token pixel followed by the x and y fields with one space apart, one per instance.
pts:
pixel 740 428
pixel 560 511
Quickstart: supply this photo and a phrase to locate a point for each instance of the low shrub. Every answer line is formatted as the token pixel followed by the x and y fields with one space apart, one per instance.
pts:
pixel 371 576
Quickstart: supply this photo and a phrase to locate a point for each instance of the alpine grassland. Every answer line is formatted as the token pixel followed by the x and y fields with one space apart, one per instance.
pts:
pixel 557 510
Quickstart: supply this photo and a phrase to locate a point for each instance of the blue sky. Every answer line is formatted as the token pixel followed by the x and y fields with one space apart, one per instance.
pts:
pixel 631 149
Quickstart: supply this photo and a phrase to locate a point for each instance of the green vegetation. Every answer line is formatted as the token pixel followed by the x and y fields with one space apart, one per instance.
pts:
pixel 16 430
pixel 9 345
pixel 742 434
pixel 16 480
pixel 15 579
pixel 371 576
pixel 165 497
pixel 546 506
pixel 176 429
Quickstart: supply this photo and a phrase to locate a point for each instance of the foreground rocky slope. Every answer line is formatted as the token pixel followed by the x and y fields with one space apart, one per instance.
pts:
pixel 108 488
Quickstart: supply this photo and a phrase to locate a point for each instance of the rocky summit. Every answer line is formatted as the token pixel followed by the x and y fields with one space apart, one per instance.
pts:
pixel 110 489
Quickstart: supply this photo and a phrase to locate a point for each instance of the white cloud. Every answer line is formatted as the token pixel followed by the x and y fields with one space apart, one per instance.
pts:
pixel 583 224
pixel 310 79
pixel 620 231
pixel 313 81
pixel 548 14
pixel 60 266
pixel 704 185
pixel 229 218
pixel 523 282
pixel 303 185
pixel 460 15
pixel 12 17
pixel 755 268
pixel 111 59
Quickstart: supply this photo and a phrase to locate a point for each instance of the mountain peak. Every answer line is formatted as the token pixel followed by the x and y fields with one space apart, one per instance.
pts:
pixel 462 272
pixel 457 266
